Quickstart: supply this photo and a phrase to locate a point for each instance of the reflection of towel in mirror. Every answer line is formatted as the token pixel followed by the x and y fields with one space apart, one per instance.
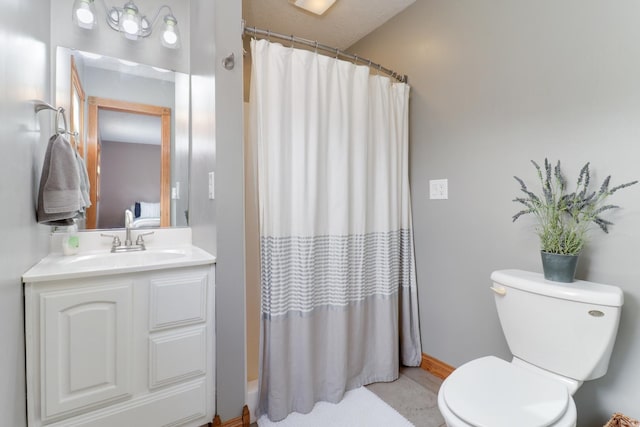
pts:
pixel 60 197
pixel 84 181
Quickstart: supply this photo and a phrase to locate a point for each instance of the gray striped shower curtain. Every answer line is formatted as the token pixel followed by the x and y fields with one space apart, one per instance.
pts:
pixel 338 299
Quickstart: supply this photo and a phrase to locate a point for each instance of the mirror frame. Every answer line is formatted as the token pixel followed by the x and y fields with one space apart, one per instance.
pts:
pixel 93 152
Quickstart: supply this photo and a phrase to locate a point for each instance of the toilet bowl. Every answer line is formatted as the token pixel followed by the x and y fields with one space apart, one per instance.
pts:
pixel 560 335
pixel 492 392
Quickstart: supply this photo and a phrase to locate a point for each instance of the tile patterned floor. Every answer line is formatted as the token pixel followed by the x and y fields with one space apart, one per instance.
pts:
pixel 414 395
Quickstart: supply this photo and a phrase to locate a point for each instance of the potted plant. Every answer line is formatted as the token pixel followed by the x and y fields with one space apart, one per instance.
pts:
pixel 564 218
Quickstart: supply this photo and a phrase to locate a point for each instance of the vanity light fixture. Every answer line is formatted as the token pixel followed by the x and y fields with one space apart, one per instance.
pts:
pixel 315 6
pixel 129 21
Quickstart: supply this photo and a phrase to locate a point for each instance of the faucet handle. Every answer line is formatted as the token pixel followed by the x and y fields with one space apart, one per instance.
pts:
pixel 140 240
pixel 116 240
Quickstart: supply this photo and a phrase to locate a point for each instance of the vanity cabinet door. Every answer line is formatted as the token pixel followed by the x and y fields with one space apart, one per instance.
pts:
pixel 85 347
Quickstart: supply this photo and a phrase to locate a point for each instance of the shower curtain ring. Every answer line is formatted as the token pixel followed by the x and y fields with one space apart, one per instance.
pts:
pixel 291 36
pixel 355 59
pixel 337 53
pixel 269 35
pixel 316 46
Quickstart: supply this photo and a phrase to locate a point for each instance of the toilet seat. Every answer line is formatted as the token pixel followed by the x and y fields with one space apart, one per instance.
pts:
pixel 492 392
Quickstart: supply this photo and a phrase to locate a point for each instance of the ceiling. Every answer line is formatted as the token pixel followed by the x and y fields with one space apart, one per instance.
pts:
pixel 346 22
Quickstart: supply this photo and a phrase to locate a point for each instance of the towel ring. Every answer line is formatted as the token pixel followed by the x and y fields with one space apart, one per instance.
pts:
pixel 60 111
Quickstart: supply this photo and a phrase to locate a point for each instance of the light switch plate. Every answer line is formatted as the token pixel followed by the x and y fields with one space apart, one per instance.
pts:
pixel 211 186
pixel 439 189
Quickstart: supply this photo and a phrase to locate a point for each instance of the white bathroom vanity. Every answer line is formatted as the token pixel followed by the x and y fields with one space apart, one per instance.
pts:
pixel 121 338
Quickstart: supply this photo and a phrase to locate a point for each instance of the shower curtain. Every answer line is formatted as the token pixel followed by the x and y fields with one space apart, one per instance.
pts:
pixel 338 298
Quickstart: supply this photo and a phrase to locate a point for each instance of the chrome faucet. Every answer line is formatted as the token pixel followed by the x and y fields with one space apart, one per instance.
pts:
pixel 128 245
pixel 128 221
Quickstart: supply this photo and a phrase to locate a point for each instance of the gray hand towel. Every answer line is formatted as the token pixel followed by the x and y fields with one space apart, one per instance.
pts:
pixel 84 180
pixel 59 196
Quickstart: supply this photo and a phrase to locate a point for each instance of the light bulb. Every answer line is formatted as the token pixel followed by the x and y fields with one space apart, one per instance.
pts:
pixel 130 21
pixel 84 15
pixel 170 37
pixel 130 26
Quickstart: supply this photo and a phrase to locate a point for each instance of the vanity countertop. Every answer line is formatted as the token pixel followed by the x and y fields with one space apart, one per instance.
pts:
pixel 164 254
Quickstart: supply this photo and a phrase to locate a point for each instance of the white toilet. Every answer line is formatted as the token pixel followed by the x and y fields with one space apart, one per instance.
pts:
pixel 560 334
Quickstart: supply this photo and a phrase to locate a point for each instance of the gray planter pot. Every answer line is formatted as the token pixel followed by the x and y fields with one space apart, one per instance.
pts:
pixel 559 267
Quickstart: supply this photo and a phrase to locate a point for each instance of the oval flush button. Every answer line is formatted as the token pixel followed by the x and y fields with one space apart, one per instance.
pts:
pixel 596 313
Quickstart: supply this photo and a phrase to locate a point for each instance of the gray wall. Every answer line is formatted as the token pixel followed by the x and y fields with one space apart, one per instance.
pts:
pixel 495 84
pixel 129 173
pixel 217 146
pixel 202 210
pixel 24 76
pixel 230 267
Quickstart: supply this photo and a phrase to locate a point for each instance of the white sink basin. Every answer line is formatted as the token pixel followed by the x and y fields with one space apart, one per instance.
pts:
pixel 122 259
pixel 99 263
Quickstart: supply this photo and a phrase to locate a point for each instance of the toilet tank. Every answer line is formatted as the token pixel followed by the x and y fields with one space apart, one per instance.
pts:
pixel 565 328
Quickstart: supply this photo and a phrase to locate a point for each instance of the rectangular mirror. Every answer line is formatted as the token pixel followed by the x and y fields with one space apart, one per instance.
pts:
pixel 132 122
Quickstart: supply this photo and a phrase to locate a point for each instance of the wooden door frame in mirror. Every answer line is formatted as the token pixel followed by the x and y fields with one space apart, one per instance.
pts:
pixel 77 129
pixel 96 103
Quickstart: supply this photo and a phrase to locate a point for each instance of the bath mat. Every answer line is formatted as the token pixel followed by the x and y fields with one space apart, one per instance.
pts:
pixel 358 408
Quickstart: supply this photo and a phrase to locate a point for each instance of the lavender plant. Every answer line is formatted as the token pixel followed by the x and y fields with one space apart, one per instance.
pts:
pixel 565 218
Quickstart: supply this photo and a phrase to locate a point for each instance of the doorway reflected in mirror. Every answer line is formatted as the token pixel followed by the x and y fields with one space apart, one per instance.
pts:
pixel 133 122
pixel 128 154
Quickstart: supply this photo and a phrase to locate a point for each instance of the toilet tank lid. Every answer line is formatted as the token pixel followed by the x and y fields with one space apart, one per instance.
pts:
pixel 580 290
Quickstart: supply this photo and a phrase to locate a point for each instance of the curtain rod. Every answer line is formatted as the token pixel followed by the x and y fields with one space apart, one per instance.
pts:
pixel 314 44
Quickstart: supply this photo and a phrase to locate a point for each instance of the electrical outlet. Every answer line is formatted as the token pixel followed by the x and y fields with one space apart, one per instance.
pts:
pixel 439 189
